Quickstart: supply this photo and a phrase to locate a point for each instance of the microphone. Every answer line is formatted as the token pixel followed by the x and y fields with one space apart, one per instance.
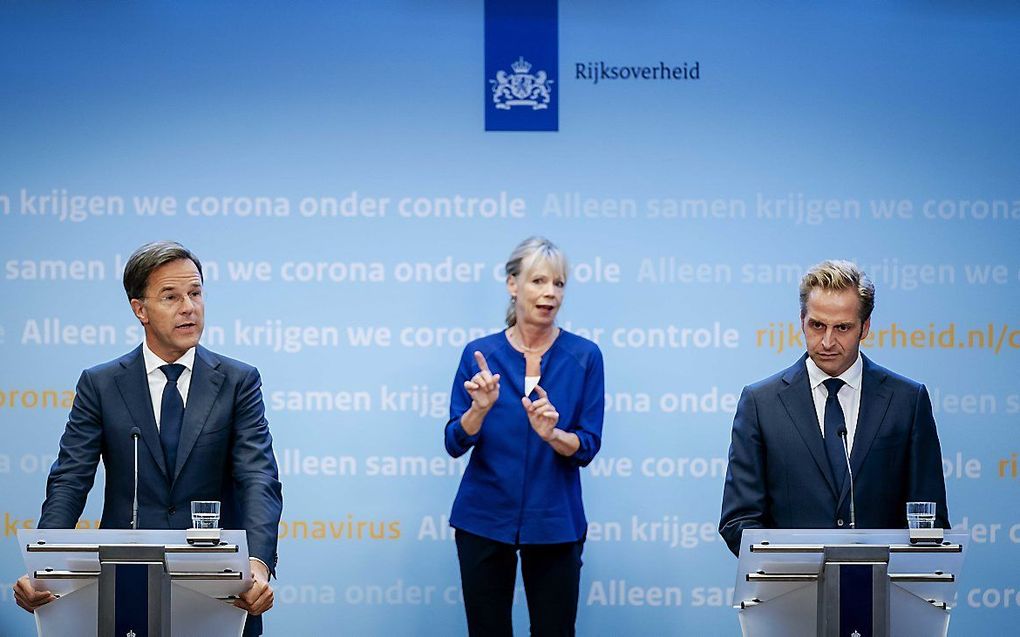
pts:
pixel 135 435
pixel 846 452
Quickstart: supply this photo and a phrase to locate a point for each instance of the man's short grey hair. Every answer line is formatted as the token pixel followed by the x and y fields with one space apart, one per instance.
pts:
pixel 149 257
pixel 836 276
pixel 527 255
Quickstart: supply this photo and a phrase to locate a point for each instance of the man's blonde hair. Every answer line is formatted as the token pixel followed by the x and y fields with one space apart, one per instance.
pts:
pixel 836 276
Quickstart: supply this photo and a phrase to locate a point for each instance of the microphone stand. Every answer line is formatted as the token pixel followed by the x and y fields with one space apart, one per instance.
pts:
pixel 846 452
pixel 135 434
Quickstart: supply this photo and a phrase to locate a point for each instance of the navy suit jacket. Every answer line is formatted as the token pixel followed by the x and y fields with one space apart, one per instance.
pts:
pixel 225 453
pixel 778 475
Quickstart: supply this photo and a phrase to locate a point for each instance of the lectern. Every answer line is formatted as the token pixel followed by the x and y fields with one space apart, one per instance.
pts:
pixel 137 583
pixel 860 583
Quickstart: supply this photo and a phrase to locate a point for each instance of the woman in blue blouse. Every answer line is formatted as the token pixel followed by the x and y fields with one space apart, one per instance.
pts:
pixel 529 401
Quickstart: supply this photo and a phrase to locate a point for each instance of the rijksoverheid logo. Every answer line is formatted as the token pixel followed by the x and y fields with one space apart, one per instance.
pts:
pixel 521 65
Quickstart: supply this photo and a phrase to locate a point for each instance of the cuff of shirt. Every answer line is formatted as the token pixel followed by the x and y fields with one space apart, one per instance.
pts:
pixel 255 559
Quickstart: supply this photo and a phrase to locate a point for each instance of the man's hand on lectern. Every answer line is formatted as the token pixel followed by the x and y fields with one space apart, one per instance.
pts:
pixel 28 597
pixel 259 598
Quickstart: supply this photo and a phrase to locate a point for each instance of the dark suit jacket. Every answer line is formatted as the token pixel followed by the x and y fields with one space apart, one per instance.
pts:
pixel 225 452
pixel 778 475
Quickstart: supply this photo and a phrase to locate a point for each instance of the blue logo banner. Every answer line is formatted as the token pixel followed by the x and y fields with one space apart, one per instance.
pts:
pixel 131 584
pixel 521 65
pixel 856 600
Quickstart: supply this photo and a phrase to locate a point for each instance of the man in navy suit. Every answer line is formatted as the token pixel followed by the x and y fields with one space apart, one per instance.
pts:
pixel 204 434
pixel 787 463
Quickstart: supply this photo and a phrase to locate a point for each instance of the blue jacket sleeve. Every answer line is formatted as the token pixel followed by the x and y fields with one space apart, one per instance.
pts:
pixel 743 503
pixel 457 440
pixel 74 471
pixel 588 427
pixel 256 478
pixel 925 480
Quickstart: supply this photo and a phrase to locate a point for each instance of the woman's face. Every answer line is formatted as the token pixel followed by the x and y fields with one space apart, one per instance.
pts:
pixel 539 294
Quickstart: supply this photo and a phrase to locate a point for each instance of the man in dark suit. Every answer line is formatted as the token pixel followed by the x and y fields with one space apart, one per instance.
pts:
pixel 787 464
pixel 204 434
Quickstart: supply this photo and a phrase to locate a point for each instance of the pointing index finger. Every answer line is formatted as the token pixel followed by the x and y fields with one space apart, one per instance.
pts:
pixel 482 365
pixel 541 392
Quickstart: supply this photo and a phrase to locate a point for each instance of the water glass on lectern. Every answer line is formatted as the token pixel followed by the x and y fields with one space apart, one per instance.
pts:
pixel 205 514
pixel 921 515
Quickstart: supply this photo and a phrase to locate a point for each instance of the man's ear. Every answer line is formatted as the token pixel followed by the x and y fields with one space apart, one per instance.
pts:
pixel 139 310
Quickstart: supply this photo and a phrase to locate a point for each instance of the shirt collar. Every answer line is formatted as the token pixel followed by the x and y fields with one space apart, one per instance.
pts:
pixel 852 376
pixel 153 362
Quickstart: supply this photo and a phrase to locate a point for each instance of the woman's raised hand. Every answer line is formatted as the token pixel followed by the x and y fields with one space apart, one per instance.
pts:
pixel 483 386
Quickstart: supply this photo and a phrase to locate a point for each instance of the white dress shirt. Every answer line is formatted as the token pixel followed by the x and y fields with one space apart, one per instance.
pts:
pixel 849 395
pixel 157 379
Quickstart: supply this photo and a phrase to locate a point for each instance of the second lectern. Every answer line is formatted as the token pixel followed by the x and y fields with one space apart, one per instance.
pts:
pixel 861 583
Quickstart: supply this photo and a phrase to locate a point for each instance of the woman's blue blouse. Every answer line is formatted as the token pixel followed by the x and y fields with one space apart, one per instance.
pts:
pixel 516 488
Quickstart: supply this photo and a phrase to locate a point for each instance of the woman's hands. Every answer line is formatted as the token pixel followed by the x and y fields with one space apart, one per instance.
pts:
pixel 483 388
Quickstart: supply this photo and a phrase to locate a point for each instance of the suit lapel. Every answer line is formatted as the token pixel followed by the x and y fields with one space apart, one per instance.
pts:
pixel 134 389
pixel 796 398
pixel 875 399
pixel 205 386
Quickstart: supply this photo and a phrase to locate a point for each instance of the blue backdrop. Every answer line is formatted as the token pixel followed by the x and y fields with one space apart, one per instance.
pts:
pixel 329 163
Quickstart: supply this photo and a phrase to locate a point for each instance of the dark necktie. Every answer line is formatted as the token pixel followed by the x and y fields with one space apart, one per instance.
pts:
pixel 171 416
pixel 834 422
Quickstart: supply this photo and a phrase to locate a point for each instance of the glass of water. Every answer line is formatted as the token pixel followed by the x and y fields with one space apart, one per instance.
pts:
pixel 205 514
pixel 921 515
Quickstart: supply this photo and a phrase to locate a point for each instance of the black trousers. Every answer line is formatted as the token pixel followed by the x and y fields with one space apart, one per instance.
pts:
pixel 488 573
